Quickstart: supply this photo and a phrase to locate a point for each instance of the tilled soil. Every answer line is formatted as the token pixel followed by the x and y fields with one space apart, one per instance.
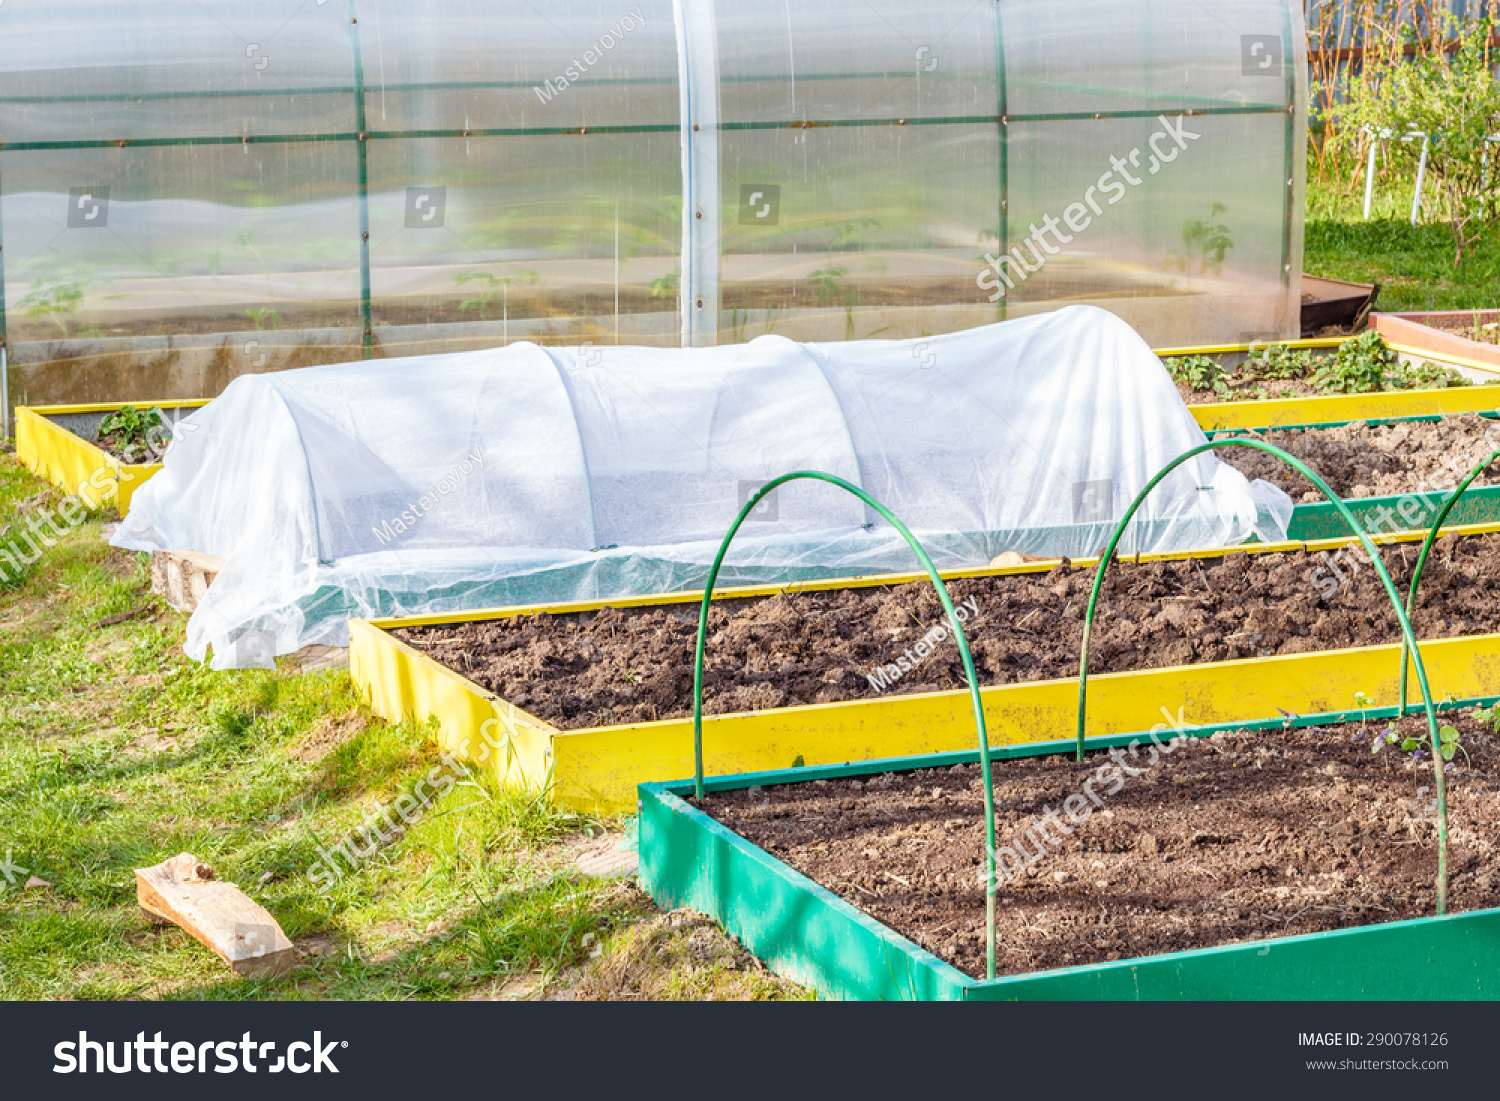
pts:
pixel 1486 332
pixel 1225 839
pixel 636 665
pixel 1362 460
pixel 1251 390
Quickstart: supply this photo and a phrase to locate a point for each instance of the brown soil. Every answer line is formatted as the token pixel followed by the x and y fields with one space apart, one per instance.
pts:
pixel 1362 460
pixel 117 446
pixel 636 664
pixel 1264 390
pixel 1486 332
pixel 1227 839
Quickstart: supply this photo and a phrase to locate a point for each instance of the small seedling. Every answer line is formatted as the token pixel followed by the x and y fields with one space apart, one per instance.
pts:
pixel 1448 744
pixel 1199 373
pixel 1363 365
pixel 135 434
pixel 1490 716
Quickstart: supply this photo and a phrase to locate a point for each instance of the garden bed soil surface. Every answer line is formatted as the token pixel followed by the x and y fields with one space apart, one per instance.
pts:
pixel 1363 460
pixel 1250 390
pixel 1226 839
pixel 117 447
pixel 628 665
pixel 1486 332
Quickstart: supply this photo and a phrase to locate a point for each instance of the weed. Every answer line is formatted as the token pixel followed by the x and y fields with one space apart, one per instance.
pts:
pixel 135 435
pixel 1448 744
pixel 1363 365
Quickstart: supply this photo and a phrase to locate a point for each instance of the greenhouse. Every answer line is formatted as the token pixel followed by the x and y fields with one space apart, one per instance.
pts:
pixel 194 191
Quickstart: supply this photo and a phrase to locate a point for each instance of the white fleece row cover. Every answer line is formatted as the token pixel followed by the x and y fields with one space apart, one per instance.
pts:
pixel 531 474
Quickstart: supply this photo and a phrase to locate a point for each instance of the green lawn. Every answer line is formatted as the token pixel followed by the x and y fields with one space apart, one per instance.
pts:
pixel 1412 264
pixel 116 752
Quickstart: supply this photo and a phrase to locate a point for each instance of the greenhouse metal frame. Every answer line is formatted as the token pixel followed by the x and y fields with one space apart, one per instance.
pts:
pixel 900 155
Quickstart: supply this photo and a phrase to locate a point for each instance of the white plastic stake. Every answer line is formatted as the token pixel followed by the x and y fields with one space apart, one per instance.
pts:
pixel 1416 199
pixel 1370 175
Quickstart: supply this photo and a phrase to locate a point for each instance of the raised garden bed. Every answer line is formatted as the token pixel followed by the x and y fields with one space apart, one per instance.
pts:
pixel 1255 863
pixel 1458 335
pixel 62 443
pixel 594 701
pixel 1365 364
pixel 632 665
pixel 1334 306
pixel 1249 404
pixel 1389 458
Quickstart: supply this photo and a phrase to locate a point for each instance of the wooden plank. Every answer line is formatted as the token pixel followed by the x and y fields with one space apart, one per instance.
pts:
pixel 182 577
pixel 238 930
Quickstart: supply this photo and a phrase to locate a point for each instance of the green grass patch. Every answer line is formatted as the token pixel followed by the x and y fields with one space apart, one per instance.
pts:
pixel 117 751
pixel 1412 263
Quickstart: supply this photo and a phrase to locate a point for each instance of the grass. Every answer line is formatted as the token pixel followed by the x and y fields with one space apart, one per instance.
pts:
pixel 116 752
pixel 1412 264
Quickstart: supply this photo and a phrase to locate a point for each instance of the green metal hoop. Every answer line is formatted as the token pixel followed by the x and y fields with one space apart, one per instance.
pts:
pixel 958 634
pixel 1407 636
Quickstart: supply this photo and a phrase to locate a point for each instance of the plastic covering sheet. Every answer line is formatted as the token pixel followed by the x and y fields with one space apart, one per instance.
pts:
pixel 528 474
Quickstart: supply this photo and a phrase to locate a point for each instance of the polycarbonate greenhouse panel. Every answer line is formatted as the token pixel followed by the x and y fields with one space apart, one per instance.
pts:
pixel 530 238
pixel 194 190
pixel 173 70
pixel 174 247
pixel 466 64
pixel 1087 56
